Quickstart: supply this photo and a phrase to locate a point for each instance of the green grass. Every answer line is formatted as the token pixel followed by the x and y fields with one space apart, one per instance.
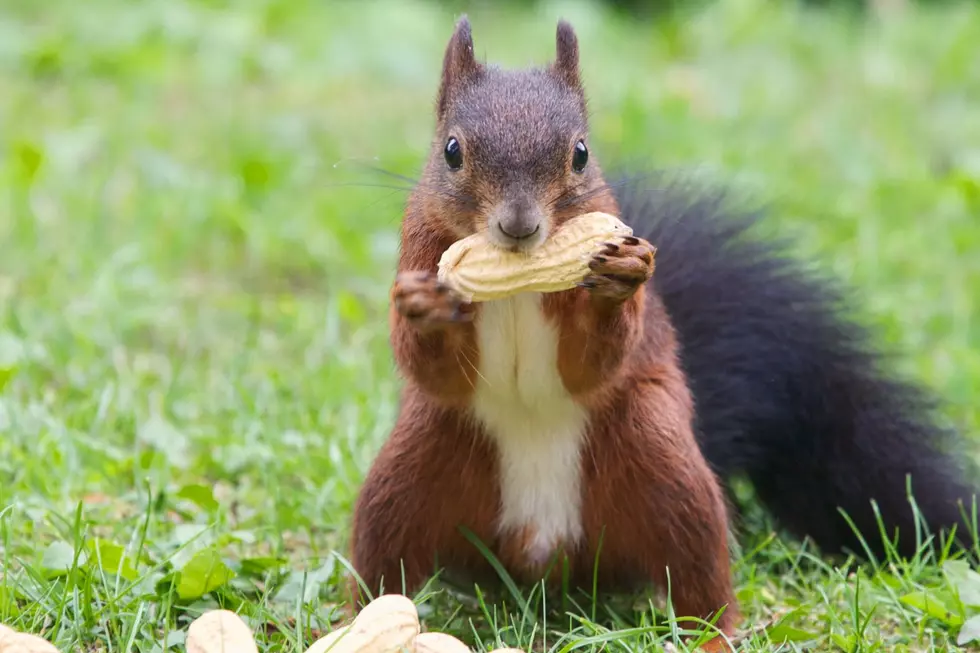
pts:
pixel 194 266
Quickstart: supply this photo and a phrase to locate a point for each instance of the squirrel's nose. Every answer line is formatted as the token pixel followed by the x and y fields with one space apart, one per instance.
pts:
pixel 520 230
pixel 520 218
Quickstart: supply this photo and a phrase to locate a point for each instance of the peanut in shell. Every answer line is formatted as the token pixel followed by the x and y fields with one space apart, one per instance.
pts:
pixel 219 631
pixel 12 641
pixel 388 624
pixel 481 271
pixel 439 643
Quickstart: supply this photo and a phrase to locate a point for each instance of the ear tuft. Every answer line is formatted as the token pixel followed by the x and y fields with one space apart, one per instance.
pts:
pixel 459 65
pixel 566 61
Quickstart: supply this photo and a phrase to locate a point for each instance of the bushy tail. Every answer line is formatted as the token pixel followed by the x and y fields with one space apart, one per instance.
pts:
pixel 790 391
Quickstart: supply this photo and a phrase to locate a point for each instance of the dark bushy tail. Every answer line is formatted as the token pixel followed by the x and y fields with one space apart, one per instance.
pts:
pixel 789 390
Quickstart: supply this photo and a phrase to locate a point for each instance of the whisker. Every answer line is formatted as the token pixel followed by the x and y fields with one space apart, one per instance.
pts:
pixel 412 184
pixel 394 175
pixel 564 194
pixel 367 185
pixel 420 188
pixel 566 202
pixel 462 353
pixel 379 170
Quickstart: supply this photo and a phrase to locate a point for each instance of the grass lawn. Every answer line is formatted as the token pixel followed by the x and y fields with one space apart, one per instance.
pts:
pixel 195 260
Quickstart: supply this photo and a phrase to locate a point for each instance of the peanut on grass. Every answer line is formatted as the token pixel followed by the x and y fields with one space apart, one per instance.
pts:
pixel 439 643
pixel 12 641
pixel 218 631
pixel 481 271
pixel 388 624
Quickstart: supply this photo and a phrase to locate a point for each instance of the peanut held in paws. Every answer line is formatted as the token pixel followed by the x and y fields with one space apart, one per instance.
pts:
pixel 481 271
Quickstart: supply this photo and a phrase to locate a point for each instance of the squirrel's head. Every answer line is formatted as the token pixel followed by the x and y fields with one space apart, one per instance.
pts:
pixel 511 151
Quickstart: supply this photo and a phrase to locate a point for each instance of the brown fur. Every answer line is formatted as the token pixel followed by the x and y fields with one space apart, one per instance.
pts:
pixel 647 491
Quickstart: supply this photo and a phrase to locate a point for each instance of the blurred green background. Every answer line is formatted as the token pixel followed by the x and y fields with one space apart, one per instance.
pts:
pixel 195 252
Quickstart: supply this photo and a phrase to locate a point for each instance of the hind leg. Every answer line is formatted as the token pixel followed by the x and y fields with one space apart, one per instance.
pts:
pixel 431 476
pixel 657 505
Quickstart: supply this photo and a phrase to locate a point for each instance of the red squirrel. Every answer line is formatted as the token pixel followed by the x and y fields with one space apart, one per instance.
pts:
pixel 549 425
pixel 543 422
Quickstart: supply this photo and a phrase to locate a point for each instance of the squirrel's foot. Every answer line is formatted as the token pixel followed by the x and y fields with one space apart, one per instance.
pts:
pixel 427 303
pixel 620 268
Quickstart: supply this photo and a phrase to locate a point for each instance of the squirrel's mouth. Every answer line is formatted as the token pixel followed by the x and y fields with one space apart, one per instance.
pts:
pixel 523 243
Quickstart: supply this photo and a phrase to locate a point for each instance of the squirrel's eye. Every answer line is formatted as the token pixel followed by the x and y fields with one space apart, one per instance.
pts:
pixel 580 157
pixel 454 154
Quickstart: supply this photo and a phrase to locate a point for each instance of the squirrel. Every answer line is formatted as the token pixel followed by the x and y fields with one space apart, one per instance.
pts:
pixel 596 426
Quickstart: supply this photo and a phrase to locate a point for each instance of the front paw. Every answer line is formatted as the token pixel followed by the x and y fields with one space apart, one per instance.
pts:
pixel 620 268
pixel 427 303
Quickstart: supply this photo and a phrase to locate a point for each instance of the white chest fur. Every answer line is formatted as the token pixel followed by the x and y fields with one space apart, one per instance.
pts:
pixel 537 427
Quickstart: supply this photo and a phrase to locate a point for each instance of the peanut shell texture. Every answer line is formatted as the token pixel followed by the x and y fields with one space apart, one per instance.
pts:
pixel 220 631
pixel 439 643
pixel 388 624
pixel 481 271
pixel 12 641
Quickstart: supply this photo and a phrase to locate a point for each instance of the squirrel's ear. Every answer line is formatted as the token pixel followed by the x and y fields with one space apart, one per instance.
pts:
pixel 566 61
pixel 459 65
